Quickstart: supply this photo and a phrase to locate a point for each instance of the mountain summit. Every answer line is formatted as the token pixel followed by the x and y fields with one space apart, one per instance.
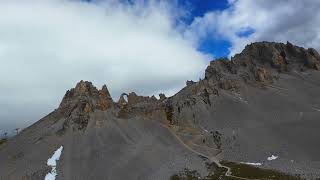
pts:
pixel 260 108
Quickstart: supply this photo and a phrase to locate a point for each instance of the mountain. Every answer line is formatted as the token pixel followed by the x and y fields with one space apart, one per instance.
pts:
pixel 260 108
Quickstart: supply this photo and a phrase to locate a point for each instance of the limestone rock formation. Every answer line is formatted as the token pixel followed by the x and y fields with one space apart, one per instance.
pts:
pixel 189 83
pixel 162 96
pixel 105 100
pixel 261 62
pixel 122 100
pixel 134 99
pixel 80 101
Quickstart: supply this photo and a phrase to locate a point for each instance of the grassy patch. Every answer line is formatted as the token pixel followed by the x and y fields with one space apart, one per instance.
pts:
pixel 238 170
pixel 215 172
pixel 253 172
pixel 186 175
pixel 2 141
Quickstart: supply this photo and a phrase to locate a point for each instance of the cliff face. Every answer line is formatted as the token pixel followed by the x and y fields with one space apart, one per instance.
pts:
pixel 262 62
pixel 263 101
pixel 79 102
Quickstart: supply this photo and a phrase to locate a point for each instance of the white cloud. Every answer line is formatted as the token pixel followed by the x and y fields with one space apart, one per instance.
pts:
pixel 273 20
pixel 48 46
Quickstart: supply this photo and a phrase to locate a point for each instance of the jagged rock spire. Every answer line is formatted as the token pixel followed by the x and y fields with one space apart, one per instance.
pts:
pixel 85 98
pixel 85 91
pixel 105 92
pixel 105 100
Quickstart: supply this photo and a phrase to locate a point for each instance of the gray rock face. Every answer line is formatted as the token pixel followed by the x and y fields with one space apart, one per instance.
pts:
pixel 263 101
pixel 262 62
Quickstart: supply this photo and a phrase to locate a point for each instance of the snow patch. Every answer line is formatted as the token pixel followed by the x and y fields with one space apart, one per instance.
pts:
pixel 253 164
pixel 52 162
pixel 272 157
pixel 316 109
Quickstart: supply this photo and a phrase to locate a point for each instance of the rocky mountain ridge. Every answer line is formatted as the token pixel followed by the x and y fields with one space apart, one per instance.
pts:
pixel 259 64
pixel 265 99
pixel 262 62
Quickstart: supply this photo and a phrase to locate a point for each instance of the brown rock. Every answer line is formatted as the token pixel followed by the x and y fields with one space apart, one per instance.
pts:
pixel 314 53
pixel 122 101
pixel 153 98
pixel 87 108
pixel 228 84
pixel 85 88
pixel 82 100
pixel 133 98
pixel 189 83
pixel 105 100
pixel 263 75
pixel 162 96
pixel 279 61
pixel 312 59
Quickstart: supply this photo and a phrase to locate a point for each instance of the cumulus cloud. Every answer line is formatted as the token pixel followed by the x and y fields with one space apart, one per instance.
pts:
pixel 48 46
pixel 246 21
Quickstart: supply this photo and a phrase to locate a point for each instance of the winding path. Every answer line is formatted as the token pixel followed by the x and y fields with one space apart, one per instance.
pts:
pixel 211 159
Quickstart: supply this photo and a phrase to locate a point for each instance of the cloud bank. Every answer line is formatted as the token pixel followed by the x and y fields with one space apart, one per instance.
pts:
pixel 247 21
pixel 48 46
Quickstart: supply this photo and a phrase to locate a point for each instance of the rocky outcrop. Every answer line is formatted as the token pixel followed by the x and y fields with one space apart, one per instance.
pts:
pixel 86 93
pixel 228 84
pixel 79 102
pixel 189 83
pixel 263 75
pixel 220 69
pixel 105 101
pixel 122 100
pixel 312 59
pixel 134 99
pixel 132 104
pixel 162 96
pixel 169 111
pixel 282 57
pixel 261 63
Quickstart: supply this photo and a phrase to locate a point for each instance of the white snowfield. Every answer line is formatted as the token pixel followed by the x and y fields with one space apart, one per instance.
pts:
pixel 53 163
pixel 272 157
pixel 253 164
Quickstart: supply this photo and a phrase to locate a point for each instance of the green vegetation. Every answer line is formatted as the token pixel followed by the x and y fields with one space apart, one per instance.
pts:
pixel 2 141
pixel 186 175
pixel 252 172
pixel 238 170
pixel 215 172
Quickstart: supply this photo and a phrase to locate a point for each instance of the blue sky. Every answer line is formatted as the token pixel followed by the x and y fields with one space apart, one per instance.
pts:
pixel 216 47
pixel 200 7
pixel 213 46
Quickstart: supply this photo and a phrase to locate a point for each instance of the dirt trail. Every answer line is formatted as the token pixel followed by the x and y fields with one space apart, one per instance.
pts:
pixel 213 159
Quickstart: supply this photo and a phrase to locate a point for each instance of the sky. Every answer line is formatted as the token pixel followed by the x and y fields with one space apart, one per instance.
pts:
pixel 146 46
